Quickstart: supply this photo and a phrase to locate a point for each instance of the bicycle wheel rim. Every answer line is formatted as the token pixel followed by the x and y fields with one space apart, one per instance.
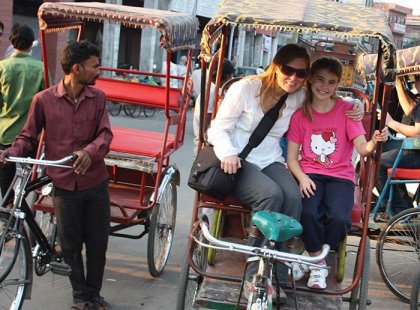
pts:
pixel 398 252
pixel 13 286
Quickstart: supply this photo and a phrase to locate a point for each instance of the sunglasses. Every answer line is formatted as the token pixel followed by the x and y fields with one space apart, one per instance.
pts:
pixel 289 71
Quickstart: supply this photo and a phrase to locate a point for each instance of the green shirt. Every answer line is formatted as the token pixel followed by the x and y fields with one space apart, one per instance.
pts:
pixel 21 77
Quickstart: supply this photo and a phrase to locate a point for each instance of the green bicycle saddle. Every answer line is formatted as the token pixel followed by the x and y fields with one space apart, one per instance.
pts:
pixel 276 226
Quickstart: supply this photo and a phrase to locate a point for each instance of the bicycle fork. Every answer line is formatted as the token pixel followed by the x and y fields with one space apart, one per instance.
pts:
pixel 261 293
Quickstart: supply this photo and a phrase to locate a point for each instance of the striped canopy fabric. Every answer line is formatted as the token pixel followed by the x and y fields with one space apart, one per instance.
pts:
pixel 303 16
pixel 178 30
pixel 408 62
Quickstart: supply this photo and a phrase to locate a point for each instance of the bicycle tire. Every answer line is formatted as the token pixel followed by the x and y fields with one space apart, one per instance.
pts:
pixel 415 292
pixel 190 281
pixel 397 252
pixel 114 108
pixel 14 285
pixel 132 110
pixel 161 230
pixel 359 294
pixel 149 112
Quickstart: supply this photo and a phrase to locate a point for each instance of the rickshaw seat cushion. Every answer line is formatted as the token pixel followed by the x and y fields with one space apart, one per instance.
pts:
pixel 405 174
pixel 276 226
pixel 138 93
pixel 139 142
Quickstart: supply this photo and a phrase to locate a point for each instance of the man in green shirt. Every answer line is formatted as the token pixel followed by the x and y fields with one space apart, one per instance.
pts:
pixel 21 77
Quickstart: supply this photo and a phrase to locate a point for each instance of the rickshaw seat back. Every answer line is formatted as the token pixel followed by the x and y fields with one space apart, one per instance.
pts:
pixel 276 226
pixel 139 142
pixel 139 93
pixel 356 211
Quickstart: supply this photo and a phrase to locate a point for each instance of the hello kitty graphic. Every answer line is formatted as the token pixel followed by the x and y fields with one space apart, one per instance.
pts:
pixel 323 145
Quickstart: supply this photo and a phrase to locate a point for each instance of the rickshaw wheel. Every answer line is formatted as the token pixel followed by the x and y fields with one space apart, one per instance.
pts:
pixel 114 108
pixel 359 294
pixel 161 230
pixel 415 288
pixel 216 228
pixel 398 252
pixel 190 281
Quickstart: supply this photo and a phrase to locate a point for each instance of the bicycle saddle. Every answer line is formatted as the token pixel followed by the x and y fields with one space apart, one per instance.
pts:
pixel 276 226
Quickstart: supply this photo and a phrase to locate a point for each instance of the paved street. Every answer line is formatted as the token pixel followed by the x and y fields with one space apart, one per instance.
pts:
pixel 127 283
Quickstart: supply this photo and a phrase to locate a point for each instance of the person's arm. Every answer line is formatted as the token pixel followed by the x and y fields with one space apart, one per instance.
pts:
pixel 406 130
pixel 364 147
pixel 27 140
pixel 407 103
pixel 99 147
pixel 306 185
pixel 222 126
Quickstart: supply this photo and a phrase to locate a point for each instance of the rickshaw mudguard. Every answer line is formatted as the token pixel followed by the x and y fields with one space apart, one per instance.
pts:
pixel 276 226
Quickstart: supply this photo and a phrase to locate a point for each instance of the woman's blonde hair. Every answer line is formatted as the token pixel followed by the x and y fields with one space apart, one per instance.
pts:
pixel 284 56
pixel 328 63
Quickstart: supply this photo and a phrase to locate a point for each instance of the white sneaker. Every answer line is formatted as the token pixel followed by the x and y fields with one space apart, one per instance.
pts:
pixel 299 271
pixel 318 278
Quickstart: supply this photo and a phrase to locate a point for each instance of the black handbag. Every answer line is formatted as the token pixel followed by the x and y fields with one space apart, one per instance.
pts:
pixel 208 178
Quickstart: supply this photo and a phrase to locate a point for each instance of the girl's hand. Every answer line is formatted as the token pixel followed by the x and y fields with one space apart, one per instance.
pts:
pixel 230 164
pixel 356 112
pixel 380 136
pixel 307 187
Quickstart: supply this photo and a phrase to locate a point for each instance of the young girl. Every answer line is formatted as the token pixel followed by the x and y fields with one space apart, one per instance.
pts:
pixel 325 173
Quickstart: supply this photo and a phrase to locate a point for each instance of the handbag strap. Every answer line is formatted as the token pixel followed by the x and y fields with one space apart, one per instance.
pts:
pixel 264 126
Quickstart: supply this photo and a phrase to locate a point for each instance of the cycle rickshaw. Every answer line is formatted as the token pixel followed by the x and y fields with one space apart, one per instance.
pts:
pixel 143 182
pixel 211 280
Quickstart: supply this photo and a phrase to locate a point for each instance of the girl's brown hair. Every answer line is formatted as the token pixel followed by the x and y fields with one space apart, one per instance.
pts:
pixel 330 64
pixel 284 56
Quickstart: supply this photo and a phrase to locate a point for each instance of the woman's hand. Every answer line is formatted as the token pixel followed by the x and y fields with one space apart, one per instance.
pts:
pixel 356 112
pixel 230 164
pixel 307 187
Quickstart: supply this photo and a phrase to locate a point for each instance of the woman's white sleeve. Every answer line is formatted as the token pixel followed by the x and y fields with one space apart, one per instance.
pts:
pixel 221 128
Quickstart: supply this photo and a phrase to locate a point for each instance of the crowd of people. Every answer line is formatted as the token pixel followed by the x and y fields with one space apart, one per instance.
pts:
pixel 314 182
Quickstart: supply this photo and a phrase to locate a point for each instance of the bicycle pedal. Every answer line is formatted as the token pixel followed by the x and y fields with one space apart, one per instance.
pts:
pixel 60 268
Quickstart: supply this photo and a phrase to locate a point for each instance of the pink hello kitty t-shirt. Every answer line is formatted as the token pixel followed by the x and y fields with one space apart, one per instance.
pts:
pixel 326 141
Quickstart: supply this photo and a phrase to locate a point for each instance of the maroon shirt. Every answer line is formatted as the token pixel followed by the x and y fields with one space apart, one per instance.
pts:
pixel 68 127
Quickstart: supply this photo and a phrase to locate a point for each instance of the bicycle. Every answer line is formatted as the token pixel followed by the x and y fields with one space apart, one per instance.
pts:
pixel 135 111
pixel 15 251
pixel 276 228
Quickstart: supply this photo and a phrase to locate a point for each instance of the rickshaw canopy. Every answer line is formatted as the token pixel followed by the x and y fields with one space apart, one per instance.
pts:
pixel 178 30
pixel 303 16
pixel 408 61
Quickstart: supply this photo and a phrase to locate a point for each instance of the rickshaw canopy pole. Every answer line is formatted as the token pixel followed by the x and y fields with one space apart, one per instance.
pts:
pixel 178 30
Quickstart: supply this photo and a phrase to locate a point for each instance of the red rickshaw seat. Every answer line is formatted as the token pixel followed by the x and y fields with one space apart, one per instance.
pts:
pixel 405 174
pixel 138 93
pixel 139 142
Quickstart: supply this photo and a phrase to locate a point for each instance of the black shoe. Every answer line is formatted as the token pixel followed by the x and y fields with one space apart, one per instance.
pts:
pixel 98 303
pixel 382 217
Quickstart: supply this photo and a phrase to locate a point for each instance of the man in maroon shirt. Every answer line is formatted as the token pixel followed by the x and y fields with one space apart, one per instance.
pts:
pixel 75 120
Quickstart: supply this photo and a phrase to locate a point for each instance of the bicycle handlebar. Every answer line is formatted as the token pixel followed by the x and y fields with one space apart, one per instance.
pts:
pixel 42 162
pixel 256 251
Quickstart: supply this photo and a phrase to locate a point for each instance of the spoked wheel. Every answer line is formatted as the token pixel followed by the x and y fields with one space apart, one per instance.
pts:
pixel 114 108
pixel 161 230
pixel 398 252
pixel 132 110
pixel 48 225
pixel 15 258
pixel 149 112
pixel 415 292
pixel 359 294
pixel 190 281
